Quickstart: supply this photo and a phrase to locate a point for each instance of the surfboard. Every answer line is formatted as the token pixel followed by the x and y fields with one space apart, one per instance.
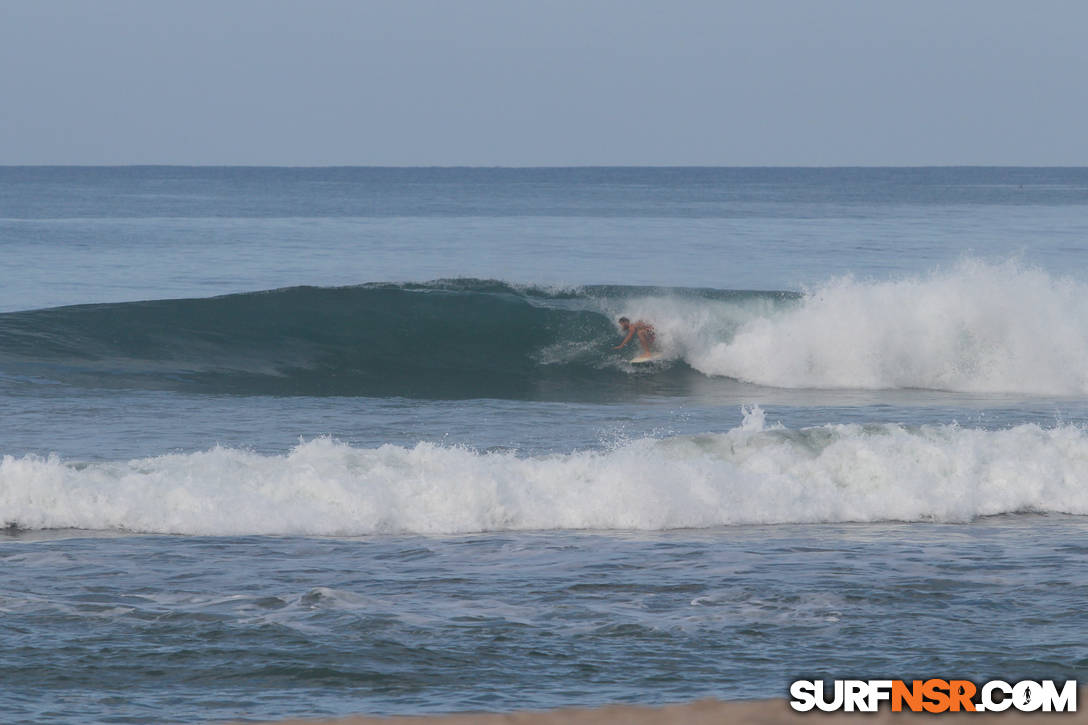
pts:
pixel 646 358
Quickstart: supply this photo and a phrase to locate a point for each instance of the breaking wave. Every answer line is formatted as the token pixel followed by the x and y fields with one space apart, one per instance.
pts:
pixel 753 474
pixel 977 327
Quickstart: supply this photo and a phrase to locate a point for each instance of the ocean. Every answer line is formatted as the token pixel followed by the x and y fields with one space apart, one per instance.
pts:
pixel 286 442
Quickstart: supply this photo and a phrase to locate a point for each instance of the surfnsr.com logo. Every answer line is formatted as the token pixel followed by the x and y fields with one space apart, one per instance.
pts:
pixel 934 695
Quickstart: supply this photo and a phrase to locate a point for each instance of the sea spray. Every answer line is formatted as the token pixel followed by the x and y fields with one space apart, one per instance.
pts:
pixel 977 327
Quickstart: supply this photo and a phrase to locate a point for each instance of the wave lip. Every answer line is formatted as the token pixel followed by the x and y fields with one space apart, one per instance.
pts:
pixel 748 475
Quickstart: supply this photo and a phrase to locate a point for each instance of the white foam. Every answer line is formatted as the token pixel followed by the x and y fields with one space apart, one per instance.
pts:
pixel 977 327
pixel 750 474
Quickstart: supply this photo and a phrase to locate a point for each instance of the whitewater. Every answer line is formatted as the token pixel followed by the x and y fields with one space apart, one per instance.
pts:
pixel 976 327
pixel 748 475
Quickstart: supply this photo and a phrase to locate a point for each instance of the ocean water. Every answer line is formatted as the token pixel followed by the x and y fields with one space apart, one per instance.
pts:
pixel 305 442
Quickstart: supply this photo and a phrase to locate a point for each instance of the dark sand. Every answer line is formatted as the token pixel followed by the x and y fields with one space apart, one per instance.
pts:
pixel 707 712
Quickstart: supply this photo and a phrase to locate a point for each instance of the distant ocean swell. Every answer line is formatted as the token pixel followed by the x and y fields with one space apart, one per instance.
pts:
pixel 976 327
pixel 753 474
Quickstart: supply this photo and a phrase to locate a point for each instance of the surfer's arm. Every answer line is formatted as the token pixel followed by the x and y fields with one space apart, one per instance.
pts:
pixel 630 334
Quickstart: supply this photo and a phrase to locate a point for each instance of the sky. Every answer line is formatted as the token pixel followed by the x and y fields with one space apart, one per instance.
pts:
pixel 544 82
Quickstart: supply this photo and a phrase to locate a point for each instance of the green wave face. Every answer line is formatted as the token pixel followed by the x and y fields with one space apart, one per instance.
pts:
pixel 445 339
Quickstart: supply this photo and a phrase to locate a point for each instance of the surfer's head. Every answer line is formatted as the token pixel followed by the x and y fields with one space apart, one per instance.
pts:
pixel 624 322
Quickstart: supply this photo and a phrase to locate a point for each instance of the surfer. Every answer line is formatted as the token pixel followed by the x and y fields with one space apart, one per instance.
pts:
pixel 644 330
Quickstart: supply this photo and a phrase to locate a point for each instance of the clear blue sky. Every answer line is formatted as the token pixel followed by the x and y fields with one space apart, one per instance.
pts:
pixel 544 82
